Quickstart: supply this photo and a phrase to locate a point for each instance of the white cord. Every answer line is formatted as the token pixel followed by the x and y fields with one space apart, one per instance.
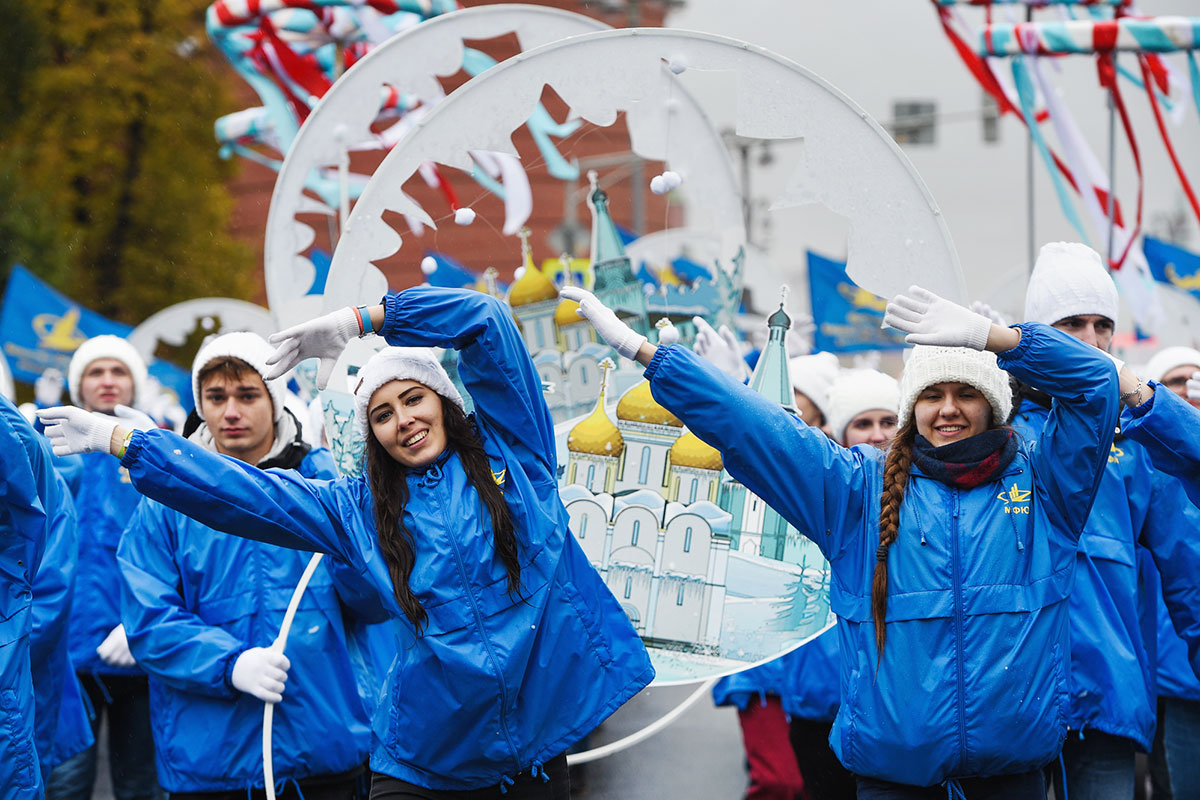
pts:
pixel 645 733
pixel 277 646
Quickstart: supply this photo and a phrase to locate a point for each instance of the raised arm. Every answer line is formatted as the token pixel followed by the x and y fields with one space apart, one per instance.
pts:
pixel 279 507
pixel 817 486
pixel 1072 449
pixel 494 363
pixel 1169 428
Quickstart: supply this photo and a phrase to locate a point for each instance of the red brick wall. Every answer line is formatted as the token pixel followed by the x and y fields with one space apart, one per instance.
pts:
pixel 479 245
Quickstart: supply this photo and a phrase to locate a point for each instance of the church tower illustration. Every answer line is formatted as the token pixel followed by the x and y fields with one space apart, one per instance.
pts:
pixel 614 283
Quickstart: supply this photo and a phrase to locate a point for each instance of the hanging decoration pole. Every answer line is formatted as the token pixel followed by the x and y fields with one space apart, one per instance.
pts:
pixel 1112 180
pixel 1030 223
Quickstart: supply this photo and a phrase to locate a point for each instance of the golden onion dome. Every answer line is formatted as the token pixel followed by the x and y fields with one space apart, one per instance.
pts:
pixel 690 451
pixel 566 314
pixel 638 405
pixel 596 435
pixel 531 287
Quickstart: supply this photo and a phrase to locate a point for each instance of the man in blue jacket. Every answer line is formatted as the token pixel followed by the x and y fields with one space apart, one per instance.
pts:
pixel 1112 681
pixel 201 610
pixel 105 372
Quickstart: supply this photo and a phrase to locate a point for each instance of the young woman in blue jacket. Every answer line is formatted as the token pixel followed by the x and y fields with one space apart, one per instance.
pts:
pixel 513 647
pixel 952 554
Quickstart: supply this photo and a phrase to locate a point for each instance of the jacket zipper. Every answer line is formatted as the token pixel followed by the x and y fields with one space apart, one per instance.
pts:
pixel 958 635
pixel 487 645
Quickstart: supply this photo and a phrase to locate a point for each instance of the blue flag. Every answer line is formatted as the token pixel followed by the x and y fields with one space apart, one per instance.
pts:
pixel 847 317
pixel 1173 265
pixel 40 328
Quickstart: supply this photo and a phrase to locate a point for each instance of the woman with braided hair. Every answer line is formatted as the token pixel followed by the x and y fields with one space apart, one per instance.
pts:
pixel 952 555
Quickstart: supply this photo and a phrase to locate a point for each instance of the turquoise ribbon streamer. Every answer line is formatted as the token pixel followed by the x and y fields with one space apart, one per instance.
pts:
pixel 1194 75
pixel 1026 95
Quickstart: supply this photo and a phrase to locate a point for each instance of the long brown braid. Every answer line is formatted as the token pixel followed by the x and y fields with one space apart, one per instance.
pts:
pixel 895 481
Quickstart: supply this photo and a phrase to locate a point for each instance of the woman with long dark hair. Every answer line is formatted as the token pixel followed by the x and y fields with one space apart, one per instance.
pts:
pixel 952 553
pixel 512 648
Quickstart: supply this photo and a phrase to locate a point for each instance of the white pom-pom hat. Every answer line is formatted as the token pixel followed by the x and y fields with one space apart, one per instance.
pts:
pixel 812 376
pixel 106 346
pixel 859 390
pixel 1069 279
pixel 930 365
pixel 246 347
pixel 1168 359
pixel 400 364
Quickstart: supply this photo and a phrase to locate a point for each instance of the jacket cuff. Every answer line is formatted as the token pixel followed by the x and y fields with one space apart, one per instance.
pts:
pixel 656 362
pixel 136 443
pixel 227 672
pixel 1148 406
pixel 1018 352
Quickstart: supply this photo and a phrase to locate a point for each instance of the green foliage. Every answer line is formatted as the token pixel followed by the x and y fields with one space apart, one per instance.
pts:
pixel 114 190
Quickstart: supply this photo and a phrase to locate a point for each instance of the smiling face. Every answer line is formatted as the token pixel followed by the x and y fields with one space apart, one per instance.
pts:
pixel 406 418
pixel 105 384
pixel 875 427
pixel 950 412
pixel 237 408
pixel 1094 329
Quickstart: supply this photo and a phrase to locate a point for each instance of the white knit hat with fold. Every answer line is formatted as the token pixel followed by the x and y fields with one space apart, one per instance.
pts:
pixel 244 346
pixel 930 365
pixel 105 346
pixel 1168 359
pixel 813 375
pixel 1069 279
pixel 856 391
pixel 400 364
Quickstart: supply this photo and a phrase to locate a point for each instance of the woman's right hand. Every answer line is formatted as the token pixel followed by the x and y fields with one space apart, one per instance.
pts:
pixel 324 337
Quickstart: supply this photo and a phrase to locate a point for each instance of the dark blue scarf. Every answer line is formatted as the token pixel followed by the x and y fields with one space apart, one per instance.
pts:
pixel 969 463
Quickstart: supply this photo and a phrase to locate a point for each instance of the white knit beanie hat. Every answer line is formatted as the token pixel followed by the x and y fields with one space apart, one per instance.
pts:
pixel 930 365
pixel 106 346
pixel 1069 279
pixel 1168 359
pixel 244 346
pixel 813 375
pixel 856 391
pixel 400 364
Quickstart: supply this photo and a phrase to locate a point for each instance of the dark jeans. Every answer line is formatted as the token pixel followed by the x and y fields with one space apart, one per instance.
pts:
pixel 1175 762
pixel 524 787
pixel 824 776
pixel 126 702
pixel 1099 766
pixel 1026 786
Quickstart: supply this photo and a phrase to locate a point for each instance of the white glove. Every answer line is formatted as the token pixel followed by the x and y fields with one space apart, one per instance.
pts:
pixel 929 319
pixel 984 310
pixel 47 389
pixel 72 430
pixel 115 649
pixel 261 672
pixel 128 417
pixel 324 338
pixel 620 336
pixel 720 349
pixel 1193 386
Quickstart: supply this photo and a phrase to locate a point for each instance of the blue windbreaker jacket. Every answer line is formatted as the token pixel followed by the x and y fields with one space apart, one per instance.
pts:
pixel 28 490
pixel 61 722
pixel 1169 428
pixel 497 683
pixel 972 680
pixel 104 503
pixel 1111 681
pixel 806 680
pixel 194 600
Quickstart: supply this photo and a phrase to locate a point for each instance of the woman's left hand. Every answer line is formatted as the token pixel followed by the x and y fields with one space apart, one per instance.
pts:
pixel 324 337
pixel 929 319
